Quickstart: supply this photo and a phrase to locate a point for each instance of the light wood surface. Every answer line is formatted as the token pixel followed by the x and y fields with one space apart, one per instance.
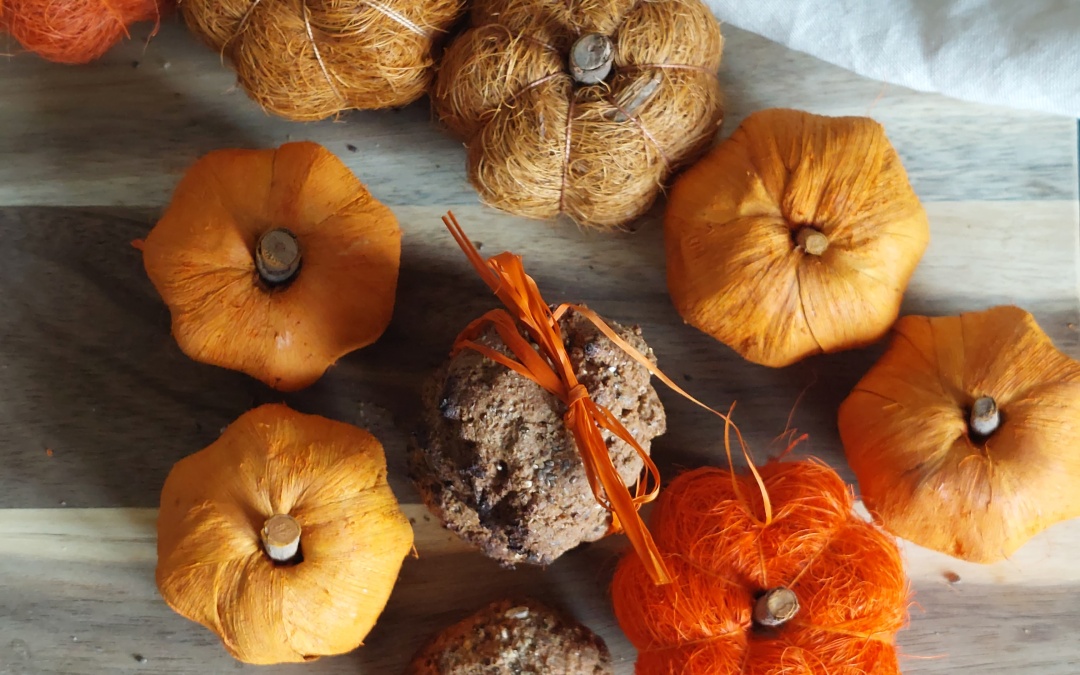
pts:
pixel 99 403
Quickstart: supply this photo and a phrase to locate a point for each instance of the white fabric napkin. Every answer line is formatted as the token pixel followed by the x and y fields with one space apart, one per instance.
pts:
pixel 1021 54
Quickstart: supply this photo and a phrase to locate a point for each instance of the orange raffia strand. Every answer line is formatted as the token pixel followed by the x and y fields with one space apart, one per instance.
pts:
pixel 550 367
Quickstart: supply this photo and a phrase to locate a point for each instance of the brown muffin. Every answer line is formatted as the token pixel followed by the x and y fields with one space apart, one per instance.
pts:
pixel 511 637
pixel 495 461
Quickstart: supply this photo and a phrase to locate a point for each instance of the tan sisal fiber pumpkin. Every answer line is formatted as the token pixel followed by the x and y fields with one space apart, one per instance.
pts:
pixel 274 262
pixel 965 435
pixel 282 536
pixel 312 59
pixel 581 109
pixel 798 235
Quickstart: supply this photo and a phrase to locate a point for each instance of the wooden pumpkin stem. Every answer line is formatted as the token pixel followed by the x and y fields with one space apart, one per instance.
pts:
pixel 776 607
pixel 985 416
pixel 812 241
pixel 277 256
pixel 591 57
pixel 281 537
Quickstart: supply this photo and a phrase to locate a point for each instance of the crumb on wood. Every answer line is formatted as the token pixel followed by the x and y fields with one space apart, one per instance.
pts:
pixel 350 147
pixel 952 577
pixel 139 657
pixel 49 452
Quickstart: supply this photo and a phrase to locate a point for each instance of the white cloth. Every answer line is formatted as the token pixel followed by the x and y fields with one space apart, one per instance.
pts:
pixel 1022 54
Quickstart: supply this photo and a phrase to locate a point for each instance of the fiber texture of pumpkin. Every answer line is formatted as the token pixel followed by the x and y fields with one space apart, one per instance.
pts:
pixel 519 636
pixel 313 59
pixel 75 31
pixel 964 435
pixel 282 536
pixel 274 262
pixel 767 578
pixel 798 235
pixel 582 109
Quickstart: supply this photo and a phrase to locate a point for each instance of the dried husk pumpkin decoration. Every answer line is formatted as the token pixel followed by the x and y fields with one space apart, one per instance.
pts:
pixel 311 60
pixel 964 434
pixel 581 109
pixel 796 236
pixel 282 536
pixel 772 572
pixel 274 262
pixel 76 31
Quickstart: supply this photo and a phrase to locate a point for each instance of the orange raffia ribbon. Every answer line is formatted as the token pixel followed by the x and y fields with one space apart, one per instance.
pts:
pixel 549 366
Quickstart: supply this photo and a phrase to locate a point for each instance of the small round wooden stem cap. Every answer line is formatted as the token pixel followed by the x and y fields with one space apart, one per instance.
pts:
pixel 812 241
pixel 985 416
pixel 775 608
pixel 281 537
pixel 277 256
pixel 591 57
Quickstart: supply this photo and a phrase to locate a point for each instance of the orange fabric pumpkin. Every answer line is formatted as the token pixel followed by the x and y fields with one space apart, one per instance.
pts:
pixel 275 262
pixel 799 586
pixel 964 435
pixel 583 109
pixel 796 236
pixel 282 536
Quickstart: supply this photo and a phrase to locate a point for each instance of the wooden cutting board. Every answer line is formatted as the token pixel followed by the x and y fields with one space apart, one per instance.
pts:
pixel 98 402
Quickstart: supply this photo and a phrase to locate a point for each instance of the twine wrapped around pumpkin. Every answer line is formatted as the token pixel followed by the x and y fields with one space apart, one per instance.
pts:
pixel 312 60
pixel 583 111
pixel 75 31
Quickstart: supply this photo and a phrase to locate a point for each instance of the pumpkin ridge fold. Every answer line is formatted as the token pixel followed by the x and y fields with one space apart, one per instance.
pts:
pixel 854 233
pixel 980 464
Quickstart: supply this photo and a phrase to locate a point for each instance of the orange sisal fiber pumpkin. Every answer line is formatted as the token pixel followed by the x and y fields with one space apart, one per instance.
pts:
pixel 312 59
pixel 964 435
pixel 790 583
pixel 282 536
pixel 796 236
pixel 75 31
pixel 275 262
pixel 583 109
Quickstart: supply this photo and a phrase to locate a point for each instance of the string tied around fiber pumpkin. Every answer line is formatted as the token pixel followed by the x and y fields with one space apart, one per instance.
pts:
pixel 548 365
pixel 582 111
pixel 308 61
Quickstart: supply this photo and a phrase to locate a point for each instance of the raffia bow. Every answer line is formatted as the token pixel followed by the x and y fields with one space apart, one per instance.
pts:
pixel 548 364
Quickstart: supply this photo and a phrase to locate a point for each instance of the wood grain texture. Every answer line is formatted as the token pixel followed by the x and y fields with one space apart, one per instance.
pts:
pixel 99 402
pixel 104 612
